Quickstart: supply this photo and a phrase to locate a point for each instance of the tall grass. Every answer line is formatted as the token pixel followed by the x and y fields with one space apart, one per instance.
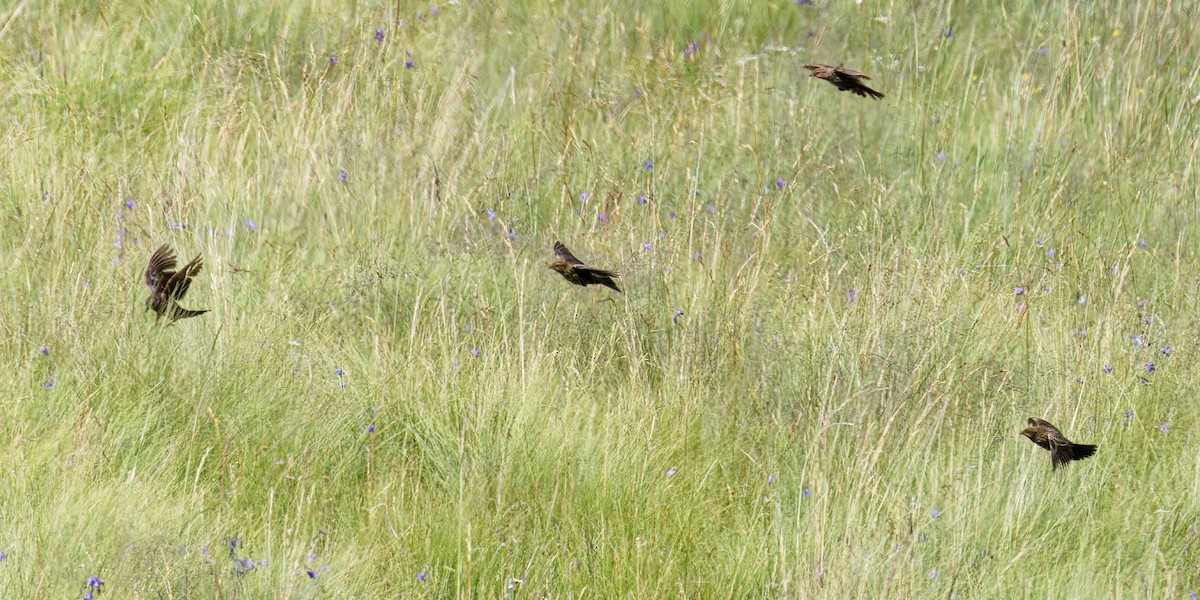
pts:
pixel 812 386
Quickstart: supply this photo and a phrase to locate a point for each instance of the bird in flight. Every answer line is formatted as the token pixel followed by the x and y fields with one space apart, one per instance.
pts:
pixel 1062 451
pixel 168 286
pixel 844 79
pixel 573 270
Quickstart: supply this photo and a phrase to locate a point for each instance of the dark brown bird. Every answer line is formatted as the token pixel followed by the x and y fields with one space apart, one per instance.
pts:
pixel 168 286
pixel 572 269
pixel 846 80
pixel 1062 451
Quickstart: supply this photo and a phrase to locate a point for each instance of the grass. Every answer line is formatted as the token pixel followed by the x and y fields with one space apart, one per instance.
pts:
pixel 820 344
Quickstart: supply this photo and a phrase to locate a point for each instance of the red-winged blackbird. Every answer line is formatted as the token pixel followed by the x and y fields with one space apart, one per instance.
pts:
pixel 167 285
pixel 572 269
pixel 846 80
pixel 1062 451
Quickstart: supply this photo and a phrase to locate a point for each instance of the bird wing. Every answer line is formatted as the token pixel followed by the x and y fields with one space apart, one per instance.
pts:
pixel 815 66
pixel 1036 422
pixel 598 272
pixel 565 255
pixel 177 286
pixel 851 72
pixel 161 268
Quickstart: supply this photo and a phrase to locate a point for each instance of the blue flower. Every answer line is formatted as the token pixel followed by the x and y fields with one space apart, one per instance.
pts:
pixel 46 351
pixel 1020 291
pixel 311 573
pixel 491 214
pixel 643 200
pixel 371 428
pixel 1107 369
pixel 696 256
pixel 251 225
pixel 337 371
pixel 421 576
pixel 1165 427
pixel 343 175
pixel 671 472
pixel 853 294
pixel 935 513
pixel 646 246
pixel 95 582
pixel 130 204
pixel 1149 367
pixel 933 574
pixel 332 59
pixel 940 156
pixel 379 35
pixel 770 479
pixel 583 198
pixel 1042 52
pixel 603 218
pixel 710 207
pixel 1165 350
pixel 804 2
pixel 1082 300
pixel 1050 253
pixel 678 315
pixel 780 184
pixel 648 165
pixel 807 492
pixel 49 384
pixel 476 351
pixel 1129 414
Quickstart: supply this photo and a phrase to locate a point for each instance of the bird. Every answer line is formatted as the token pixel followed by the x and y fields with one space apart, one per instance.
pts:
pixel 168 286
pixel 573 270
pixel 844 79
pixel 1062 451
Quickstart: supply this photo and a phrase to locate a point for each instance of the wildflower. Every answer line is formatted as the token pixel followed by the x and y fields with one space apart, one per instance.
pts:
pixel 475 351
pixel 512 235
pixel 853 294
pixel 379 35
pixel 935 513
pixel 710 207
pixel 643 200
pixel 332 59
pixel 941 157
pixel 46 351
pixel 421 576
pixel 1165 427
pixel 371 428
pixel 408 64
pixel 603 218
pixel 1143 244
pixel 1050 253
pixel 662 235
pixel 804 2
pixel 1020 291
pixel 250 224
pixel 807 492
pixel 649 166
pixel 343 175
pixel 677 315
pixel 933 574
pixel 674 214
pixel 1042 52
pixel 95 582
pixel 1083 300
pixel 671 472
pixel 491 214
pixel 1149 367
pixel 435 11
pixel 780 184
pixel 770 479
pixel 583 198
pixel 1166 350
pixel 49 384
pixel 177 225
pixel 950 32
pixel 130 204
pixel 1108 369
pixel 646 246
pixel 338 371
pixel 696 256
pixel 1129 414
pixel 311 573
pixel 1143 381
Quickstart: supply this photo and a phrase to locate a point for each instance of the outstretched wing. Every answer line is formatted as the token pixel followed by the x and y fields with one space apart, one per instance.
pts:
pixel 815 66
pixel 850 72
pixel 177 286
pixel 161 268
pixel 565 255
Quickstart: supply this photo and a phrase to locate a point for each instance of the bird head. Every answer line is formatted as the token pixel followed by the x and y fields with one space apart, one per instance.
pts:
pixel 559 266
pixel 1029 432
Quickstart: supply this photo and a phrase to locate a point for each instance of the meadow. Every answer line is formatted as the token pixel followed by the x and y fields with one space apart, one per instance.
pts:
pixel 838 312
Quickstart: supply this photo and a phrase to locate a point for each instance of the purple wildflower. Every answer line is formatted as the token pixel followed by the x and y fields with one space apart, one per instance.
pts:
pixel 1020 291
pixel 603 218
pixel 804 2
pixel 1050 253
pixel 1165 427
pixel 662 235
pixel 1166 350
pixel 44 351
pixel 646 246
pixel 408 64
pixel 637 93
pixel 435 11
pixel 807 492
pixel 583 197
pixel 491 214
pixel 1143 244
pixel 95 582
pixel 379 35
pixel 476 351
pixel 710 207
pixel 853 294
pixel 512 234
pixel 1108 369
pixel 49 384
pixel 940 156
pixel 311 573
pixel 678 315
pixel 421 576
pixel 1129 414
pixel 673 214
pixel 671 472
pixel 1149 367
pixel 343 175
pixel 130 204
pixel 935 513
pixel 1042 52
pixel 649 166
pixel 643 200
pixel 950 32
pixel 250 224
pixel 780 184
pixel 770 479
pixel 332 59
pixel 933 574
pixel 1143 381
pixel 1083 300
pixel 696 256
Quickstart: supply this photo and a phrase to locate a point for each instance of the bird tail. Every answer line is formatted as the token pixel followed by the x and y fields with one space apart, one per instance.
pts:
pixel 872 93
pixel 183 313
pixel 1079 451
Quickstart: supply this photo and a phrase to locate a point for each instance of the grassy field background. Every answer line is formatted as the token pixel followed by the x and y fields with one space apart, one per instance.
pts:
pixel 838 312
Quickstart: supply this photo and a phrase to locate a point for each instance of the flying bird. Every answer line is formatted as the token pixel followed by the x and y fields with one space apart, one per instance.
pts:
pixel 168 286
pixel 844 79
pixel 1062 451
pixel 572 269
